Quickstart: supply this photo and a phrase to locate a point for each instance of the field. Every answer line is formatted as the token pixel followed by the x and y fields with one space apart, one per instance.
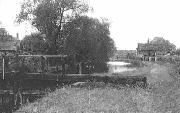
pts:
pixel 161 96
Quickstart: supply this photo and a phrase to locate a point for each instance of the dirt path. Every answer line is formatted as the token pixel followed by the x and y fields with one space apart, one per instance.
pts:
pixel 153 71
pixel 159 73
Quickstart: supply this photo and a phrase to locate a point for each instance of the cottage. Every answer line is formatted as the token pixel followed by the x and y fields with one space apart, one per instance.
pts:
pixel 147 51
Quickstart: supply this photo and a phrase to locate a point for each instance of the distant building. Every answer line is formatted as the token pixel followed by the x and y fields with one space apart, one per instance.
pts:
pixel 147 51
pixel 7 42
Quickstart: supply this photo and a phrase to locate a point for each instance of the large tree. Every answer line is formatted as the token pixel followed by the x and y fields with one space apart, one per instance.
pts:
pixel 163 45
pixel 48 16
pixel 64 26
pixel 90 40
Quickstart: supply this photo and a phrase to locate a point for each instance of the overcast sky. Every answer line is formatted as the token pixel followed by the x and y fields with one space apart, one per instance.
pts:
pixel 132 21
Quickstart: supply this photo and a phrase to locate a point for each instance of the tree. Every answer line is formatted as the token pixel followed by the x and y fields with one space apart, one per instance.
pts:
pixel 4 35
pixel 90 40
pixel 163 45
pixel 177 52
pixel 7 41
pixel 130 55
pixel 49 16
pixel 65 27
pixel 34 44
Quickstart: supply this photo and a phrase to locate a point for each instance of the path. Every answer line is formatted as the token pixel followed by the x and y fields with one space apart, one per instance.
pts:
pixel 155 72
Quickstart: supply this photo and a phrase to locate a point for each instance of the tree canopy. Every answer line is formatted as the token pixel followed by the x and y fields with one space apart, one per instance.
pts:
pixel 177 52
pixel 49 16
pixel 89 39
pixel 7 41
pixel 65 27
pixel 163 45
pixel 34 44
pixel 4 35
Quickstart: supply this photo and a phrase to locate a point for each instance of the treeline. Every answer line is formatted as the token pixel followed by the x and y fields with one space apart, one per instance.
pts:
pixel 124 54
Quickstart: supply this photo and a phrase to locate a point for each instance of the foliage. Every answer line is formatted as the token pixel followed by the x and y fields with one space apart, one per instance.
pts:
pixel 89 39
pixel 67 31
pixel 34 43
pixel 4 35
pixel 163 45
pixel 123 54
pixel 7 41
pixel 131 56
pixel 177 52
pixel 48 16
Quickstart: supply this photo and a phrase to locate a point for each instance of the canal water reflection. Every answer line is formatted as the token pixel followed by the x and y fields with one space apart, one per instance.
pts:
pixel 118 67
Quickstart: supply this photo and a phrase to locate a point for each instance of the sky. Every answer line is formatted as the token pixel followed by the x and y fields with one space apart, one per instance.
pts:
pixel 132 21
pixel 8 11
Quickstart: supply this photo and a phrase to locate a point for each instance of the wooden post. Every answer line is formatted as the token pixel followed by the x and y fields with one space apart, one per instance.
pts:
pixel 42 64
pixel 80 68
pixel 18 98
pixel 63 68
pixel 3 67
pixel 2 99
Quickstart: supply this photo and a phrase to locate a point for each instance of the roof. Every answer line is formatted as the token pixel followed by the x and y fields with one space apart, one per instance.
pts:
pixel 147 47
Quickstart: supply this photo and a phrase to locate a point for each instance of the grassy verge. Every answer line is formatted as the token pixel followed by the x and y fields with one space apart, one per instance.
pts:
pixel 162 96
pixel 100 98
pixel 97 100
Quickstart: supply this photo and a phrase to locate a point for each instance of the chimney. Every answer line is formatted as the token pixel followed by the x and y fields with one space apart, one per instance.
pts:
pixel 17 36
pixel 148 41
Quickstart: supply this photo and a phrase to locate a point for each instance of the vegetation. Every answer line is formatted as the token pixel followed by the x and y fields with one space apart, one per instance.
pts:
pixel 90 40
pixel 75 100
pixel 123 54
pixel 34 44
pixel 5 36
pixel 177 52
pixel 49 16
pixel 163 45
pixel 64 30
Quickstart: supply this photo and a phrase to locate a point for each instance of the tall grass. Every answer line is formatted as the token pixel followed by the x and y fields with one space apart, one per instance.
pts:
pixel 98 100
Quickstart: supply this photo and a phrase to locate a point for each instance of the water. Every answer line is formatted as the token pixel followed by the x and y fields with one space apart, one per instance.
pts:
pixel 118 67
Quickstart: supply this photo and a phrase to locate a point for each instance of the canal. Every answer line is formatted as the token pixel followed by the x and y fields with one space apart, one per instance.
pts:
pixel 118 67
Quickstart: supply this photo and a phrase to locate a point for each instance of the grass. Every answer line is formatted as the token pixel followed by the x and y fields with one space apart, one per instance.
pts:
pixel 97 100
pixel 101 98
pixel 161 96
